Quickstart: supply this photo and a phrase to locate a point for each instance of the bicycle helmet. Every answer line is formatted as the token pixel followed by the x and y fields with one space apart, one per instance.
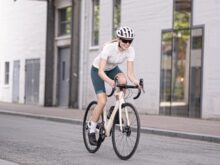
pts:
pixel 126 33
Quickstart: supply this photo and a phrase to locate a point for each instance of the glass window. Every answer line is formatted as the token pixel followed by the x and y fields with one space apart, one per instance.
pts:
pixel 195 81
pixel 175 73
pixel 95 22
pixel 116 16
pixel 181 67
pixel 196 42
pixel 182 14
pixel 6 73
pixel 65 16
pixel 165 74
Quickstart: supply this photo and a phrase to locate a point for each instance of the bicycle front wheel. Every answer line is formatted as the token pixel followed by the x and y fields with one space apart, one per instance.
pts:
pixel 86 120
pixel 125 141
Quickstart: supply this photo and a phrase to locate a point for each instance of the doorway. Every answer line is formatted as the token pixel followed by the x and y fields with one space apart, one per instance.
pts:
pixel 181 70
pixel 63 76
pixel 16 82
pixel 32 79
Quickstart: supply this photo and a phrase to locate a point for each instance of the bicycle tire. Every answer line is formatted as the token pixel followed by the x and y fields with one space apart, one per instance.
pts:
pixel 131 135
pixel 86 119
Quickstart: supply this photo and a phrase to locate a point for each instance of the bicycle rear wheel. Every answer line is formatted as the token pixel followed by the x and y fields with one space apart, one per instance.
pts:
pixel 86 120
pixel 125 141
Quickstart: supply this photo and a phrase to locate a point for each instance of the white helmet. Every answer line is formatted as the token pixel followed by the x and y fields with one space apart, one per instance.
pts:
pixel 126 33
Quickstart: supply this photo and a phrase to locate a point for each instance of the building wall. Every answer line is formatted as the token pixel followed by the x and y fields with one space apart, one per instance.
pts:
pixel 22 36
pixel 207 13
pixel 148 18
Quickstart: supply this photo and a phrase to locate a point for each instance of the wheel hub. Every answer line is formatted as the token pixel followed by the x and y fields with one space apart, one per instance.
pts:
pixel 127 130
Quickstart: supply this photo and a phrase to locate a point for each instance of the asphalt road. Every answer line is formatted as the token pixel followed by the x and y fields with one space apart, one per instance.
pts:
pixel 29 141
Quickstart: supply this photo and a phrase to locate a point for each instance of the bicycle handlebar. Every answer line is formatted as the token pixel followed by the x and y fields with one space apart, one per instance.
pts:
pixel 113 90
pixel 124 86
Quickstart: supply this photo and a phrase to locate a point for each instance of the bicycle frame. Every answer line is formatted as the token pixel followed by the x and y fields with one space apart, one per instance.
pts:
pixel 119 95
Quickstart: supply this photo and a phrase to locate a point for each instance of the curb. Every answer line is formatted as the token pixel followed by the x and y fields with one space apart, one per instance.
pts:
pixel 155 131
pixel 44 117
pixel 179 134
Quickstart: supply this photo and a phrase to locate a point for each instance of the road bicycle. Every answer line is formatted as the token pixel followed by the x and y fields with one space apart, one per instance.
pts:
pixel 121 122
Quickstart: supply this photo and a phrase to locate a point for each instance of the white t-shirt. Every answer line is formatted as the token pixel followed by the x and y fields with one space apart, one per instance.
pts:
pixel 113 56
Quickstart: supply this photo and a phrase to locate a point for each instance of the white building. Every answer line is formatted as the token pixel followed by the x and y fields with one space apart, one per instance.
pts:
pixel 22 51
pixel 176 51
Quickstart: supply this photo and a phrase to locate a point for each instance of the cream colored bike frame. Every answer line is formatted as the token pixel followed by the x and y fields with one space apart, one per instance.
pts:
pixel 118 105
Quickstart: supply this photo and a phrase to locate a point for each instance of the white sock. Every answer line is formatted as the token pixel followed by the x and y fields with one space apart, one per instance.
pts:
pixel 92 126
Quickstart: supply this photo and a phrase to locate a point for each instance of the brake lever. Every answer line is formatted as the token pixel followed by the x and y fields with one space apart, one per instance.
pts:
pixel 141 83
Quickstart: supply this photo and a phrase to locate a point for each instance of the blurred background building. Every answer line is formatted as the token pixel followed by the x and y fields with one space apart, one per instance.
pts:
pixel 47 47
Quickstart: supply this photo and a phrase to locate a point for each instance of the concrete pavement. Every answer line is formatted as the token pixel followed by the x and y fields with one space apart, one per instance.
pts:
pixel 198 129
pixel 5 162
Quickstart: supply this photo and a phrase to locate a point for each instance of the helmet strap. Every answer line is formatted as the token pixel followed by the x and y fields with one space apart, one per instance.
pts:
pixel 119 45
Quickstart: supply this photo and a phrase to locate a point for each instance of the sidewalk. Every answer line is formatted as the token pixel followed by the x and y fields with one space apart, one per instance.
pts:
pixel 5 162
pixel 198 129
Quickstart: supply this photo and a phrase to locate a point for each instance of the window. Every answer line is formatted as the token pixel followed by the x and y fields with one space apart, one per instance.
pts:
pixel 65 16
pixel 181 64
pixel 182 14
pixel 116 16
pixel 197 42
pixel 6 73
pixel 95 22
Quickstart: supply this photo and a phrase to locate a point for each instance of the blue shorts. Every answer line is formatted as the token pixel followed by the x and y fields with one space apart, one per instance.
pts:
pixel 98 83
